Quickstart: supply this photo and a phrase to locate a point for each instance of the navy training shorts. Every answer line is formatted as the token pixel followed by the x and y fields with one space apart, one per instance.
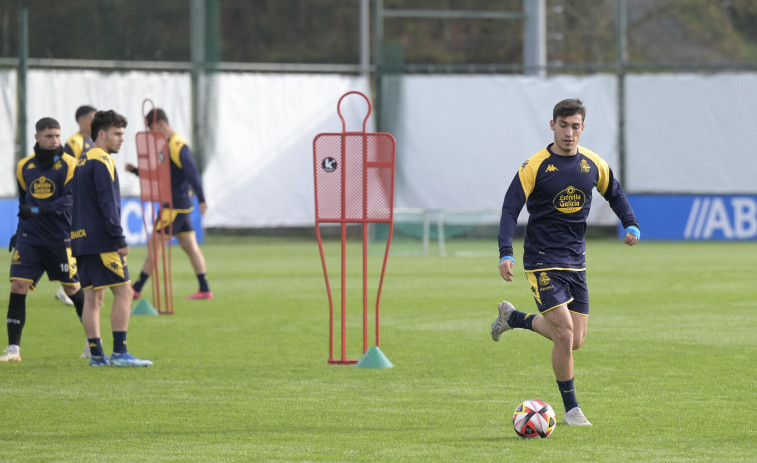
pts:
pixel 103 270
pixel 29 262
pixel 552 288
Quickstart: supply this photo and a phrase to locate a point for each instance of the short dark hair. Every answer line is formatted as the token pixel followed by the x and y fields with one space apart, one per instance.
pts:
pixel 569 107
pixel 46 123
pixel 106 119
pixel 83 111
pixel 155 115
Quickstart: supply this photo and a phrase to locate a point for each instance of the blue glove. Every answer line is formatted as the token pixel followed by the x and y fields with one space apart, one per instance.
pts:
pixel 634 231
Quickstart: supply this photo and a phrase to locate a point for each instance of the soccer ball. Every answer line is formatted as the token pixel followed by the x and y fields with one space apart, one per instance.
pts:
pixel 534 418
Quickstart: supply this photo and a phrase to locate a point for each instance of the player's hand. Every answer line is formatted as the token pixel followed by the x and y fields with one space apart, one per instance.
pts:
pixel 203 208
pixel 123 251
pixel 132 168
pixel 506 269
pixel 12 243
pixel 633 235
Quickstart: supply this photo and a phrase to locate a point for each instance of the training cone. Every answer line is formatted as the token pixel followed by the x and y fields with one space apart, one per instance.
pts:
pixel 374 358
pixel 144 307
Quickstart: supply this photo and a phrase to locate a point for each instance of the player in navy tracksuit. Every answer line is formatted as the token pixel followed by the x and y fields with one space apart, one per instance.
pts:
pixel 185 179
pixel 98 240
pixel 556 187
pixel 76 145
pixel 43 240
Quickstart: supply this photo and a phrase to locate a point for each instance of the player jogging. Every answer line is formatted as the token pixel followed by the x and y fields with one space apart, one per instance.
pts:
pixel 184 175
pixel 98 240
pixel 556 186
pixel 43 240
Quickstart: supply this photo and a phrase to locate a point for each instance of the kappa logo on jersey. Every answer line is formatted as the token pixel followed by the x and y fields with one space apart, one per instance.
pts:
pixel 81 162
pixel 42 188
pixel 30 166
pixel 551 168
pixel 523 166
pixel 569 200
pixel 58 165
pixel 585 167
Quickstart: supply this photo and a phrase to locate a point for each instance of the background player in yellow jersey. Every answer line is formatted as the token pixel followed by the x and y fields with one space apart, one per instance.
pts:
pixel 556 186
pixel 43 240
pixel 185 179
pixel 76 145
pixel 80 142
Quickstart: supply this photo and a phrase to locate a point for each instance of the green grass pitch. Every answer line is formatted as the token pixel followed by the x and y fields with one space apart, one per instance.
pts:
pixel 667 373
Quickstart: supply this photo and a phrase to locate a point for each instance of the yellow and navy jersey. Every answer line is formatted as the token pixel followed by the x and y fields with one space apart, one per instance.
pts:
pixel 96 224
pixel 50 190
pixel 184 175
pixel 78 144
pixel 557 193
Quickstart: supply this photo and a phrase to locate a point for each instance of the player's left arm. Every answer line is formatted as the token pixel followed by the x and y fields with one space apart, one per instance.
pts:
pixel 192 174
pixel 610 188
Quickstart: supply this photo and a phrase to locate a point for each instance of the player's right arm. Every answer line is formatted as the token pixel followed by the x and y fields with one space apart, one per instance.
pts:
pixel 515 199
pixel 108 199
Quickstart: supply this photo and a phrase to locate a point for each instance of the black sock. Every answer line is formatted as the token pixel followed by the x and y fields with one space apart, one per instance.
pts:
pixel 203 283
pixel 141 282
pixel 520 319
pixel 119 342
pixel 568 394
pixel 95 347
pixel 78 299
pixel 16 318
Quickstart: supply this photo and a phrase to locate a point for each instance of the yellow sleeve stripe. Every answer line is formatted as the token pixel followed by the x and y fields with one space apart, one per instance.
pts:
pixel 603 178
pixel 20 171
pixel 68 159
pixel 175 144
pixel 76 142
pixel 99 154
pixel 529 169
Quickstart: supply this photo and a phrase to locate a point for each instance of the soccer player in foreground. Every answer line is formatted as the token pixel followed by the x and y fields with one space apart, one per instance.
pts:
pixel 556 186
pixel 184 175
pixel 76 145
pixel 43 240
pixel 98 241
